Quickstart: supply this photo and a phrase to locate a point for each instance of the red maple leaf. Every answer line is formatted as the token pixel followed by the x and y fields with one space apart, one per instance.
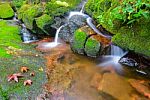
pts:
pixel 14 77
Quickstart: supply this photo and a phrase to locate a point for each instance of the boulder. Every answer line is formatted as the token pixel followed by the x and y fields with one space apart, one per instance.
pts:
pixel 6 11
pixel 28 14
pixel 44 22
pixel 75 22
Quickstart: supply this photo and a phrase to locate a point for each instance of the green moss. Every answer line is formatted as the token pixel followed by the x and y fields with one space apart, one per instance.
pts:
pixel 136 38
pixel 43 21
pixel 28 13
pixel 92 47
pixel 6 11
pixel 60 7
pixel 18 3
pixel 79 41
pixel 8 37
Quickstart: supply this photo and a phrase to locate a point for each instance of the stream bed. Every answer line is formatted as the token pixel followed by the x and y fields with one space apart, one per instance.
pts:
pixel 76 77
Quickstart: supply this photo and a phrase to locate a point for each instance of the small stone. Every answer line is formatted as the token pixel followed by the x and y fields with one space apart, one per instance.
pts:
pixel 96 80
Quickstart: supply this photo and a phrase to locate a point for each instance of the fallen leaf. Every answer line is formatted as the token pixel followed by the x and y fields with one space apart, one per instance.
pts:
pixel 41 69
pixel 27 82
pixel 32 74
pixel 14 77
pixel 24 69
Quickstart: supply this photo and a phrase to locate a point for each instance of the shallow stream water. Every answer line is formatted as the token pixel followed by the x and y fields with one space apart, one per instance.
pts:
pixel 82 78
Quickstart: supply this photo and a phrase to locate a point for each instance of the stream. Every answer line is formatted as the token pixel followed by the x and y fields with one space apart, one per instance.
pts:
pixel 102 78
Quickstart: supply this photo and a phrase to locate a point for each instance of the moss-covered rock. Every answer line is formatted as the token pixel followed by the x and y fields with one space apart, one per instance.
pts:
pixel 28 13
pixel 18 3
pixel 79 40
pixel 92 47
pixel 6 11
pixel 8 37
pixel 44 23
pixel 60 7
pixel 136 38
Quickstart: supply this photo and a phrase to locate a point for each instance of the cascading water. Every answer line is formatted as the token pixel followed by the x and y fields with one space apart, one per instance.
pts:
pixel 27 37
pixel 113 58
pixel 89 22
pixel 55 43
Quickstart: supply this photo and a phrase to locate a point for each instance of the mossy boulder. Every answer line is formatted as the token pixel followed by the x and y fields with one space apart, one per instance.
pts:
pixel 86 41
pixel 28 13
pixel 60 7
pixel 8 37
pixel 18 3
pixel 79 40
pixel 92 47
pixel 136 38
pixel 6 11
pixel 44 22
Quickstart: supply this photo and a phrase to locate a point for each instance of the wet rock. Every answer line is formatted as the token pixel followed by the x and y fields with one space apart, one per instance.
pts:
pixel 75 22
pixel 6 11
pixel 128 61
pixel 115 86
pixel 141 86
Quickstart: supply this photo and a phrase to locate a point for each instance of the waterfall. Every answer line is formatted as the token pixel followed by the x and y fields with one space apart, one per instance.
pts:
pixel 57 35
pixel 82 9
pixel 27 37
pixel 89 22
pixel 116 51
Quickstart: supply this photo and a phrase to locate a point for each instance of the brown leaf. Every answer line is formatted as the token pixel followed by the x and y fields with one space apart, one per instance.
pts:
pixel 27 82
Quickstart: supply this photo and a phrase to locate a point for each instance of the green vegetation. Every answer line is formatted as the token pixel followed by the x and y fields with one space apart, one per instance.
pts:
pixel 44 21
pixel 60 7
pixel 8 37
pixel 92 47
pixel 6 11
pixel 128 19
pixel 38 15
pixel 136 38
pixel 29 13
pixel 113 14
pixel 79 41
pixel 18 3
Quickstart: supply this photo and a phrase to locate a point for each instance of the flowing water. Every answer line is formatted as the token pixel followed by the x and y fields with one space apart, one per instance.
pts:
pixel 89 76
pixel 26 35
pixel 100 78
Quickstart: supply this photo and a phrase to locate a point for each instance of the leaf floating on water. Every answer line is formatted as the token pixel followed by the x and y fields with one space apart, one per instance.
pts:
pixel 14 77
